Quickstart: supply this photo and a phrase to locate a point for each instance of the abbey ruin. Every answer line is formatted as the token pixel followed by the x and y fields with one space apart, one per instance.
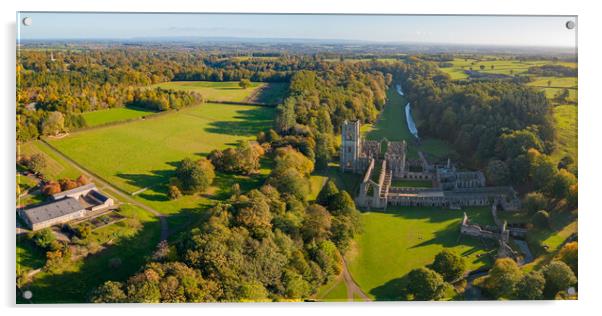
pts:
pixel 383 163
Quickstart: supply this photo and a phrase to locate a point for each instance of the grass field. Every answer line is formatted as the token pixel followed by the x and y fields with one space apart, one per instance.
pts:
pixel 553 86
pixel 101 117
pixel 268 93
pixel 130 245
pixel 550 85
pixel 566 125
pixel 506 67
pixel 143 154
pixel 316 183
pixel 562 225
pixel 392 125
pixel 335 291
pixel 56 167
pixel 25 182
pixel 398 240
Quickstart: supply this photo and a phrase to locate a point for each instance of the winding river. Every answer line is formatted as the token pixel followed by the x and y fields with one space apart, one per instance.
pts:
pixel 409 117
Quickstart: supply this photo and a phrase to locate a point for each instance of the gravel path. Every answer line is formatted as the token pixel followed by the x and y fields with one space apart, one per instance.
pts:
pixel 352 287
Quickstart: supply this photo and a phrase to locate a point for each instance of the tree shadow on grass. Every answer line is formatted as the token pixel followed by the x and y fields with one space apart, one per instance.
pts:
pixel 437 214
pixel 271 94
pixel 185 219
pixel 392 290
pixel 450 237
pixel 249 122
pixel 76 284
pixel 146 180
pixel 225 181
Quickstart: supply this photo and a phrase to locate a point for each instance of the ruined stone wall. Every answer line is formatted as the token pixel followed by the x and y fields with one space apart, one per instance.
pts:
pixel 474 230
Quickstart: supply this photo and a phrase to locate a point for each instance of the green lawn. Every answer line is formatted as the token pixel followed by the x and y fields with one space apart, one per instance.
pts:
pixel 143 154
pixel 269 93
pixel 562 225
pixel 272 93
pixel 130 245
pixel 56 167
pixel 347 181
pixel 335 291
pixel 101 117
pixel 316 183
pixel 392 125
pixel 29 256
pixel 566 125
pixel 398 240
pixel 25 182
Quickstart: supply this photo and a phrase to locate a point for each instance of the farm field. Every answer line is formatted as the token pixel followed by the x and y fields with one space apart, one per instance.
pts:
pixel 229 91
pixel 56 167
pixel 392 125
pixel 142 155
pixel 550 85
pixel 566 125
pixel 553 86
pixel 505 67
pixel 130 244
pixel 401 239
pixel 101 117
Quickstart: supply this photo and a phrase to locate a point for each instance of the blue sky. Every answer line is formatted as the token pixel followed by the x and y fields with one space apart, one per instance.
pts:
pixel 487 30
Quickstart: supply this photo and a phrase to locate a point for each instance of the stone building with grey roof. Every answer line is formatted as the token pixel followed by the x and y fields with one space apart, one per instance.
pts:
pixel 66 206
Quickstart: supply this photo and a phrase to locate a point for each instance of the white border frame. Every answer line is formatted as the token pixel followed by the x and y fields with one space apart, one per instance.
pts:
pixel 589 71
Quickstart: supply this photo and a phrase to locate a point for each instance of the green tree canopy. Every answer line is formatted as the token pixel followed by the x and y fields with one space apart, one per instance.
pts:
pixel 317 223
pixel 530 286
pixel 244 83
pixel 559 277
pixel 569 255
pixel 195 176
pixel 109 292
pixel 497 172
pixel 449 265
pixel 425 284
pixel 327 193
pixel 503 278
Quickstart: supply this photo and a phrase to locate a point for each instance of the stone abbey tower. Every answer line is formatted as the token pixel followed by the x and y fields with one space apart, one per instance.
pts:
pixel 350 145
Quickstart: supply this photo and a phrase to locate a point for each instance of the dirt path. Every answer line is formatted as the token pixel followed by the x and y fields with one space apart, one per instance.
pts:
pixel 352 288
pixel 124 196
